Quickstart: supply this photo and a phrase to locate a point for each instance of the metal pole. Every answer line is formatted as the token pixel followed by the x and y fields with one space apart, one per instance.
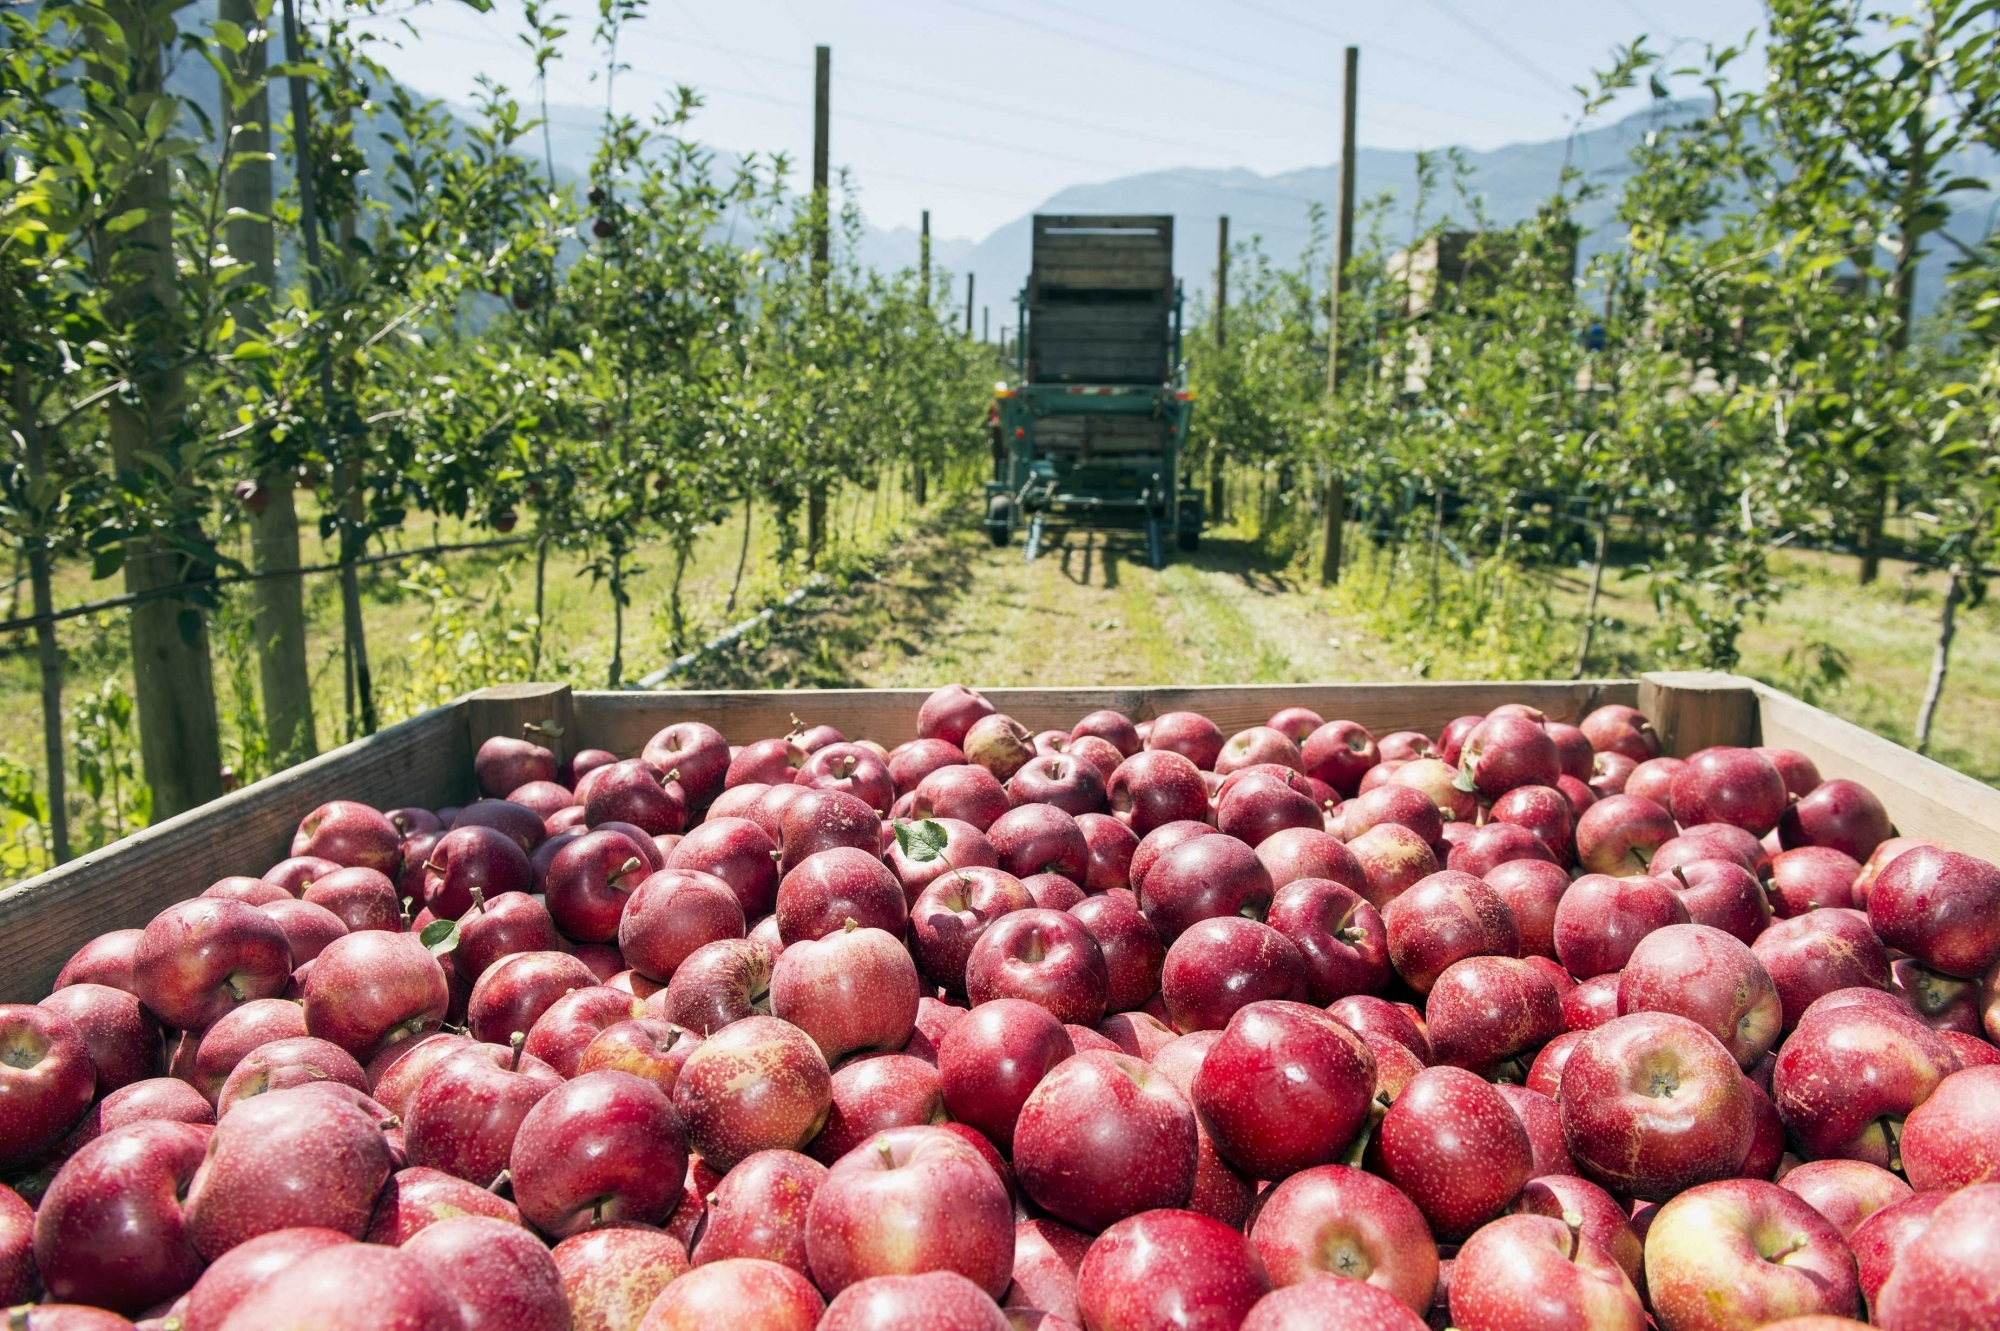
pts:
pixel 924 257
pixel 1221 276
pixel 822 80
pixel 968 304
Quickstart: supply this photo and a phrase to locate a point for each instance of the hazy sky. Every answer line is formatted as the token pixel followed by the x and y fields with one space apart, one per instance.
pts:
pixel 979 109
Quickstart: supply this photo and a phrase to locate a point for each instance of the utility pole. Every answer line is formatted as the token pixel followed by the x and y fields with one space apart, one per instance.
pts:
pixel 968 304
pixel 822 80
pixel 1336 485
pixel 985 323
pixel 1215 490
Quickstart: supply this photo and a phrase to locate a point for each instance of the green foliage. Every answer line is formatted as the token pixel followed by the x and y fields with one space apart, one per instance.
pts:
pixel 104 744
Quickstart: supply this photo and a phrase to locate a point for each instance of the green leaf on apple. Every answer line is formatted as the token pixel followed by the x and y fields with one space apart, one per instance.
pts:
pixel 922 841
pixel 440 937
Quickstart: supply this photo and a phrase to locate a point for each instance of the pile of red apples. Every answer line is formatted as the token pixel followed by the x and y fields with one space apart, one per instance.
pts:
pixel 1518 1027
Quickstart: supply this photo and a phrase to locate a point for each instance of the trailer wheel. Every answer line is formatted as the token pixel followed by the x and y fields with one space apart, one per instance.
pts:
pixel 1000 519
pixel 1188 540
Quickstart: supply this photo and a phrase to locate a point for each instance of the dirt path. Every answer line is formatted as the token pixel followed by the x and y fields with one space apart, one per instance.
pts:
pixel 948 606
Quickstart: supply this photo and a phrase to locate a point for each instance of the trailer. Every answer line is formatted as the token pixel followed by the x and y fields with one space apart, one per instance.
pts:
pixel 1091 426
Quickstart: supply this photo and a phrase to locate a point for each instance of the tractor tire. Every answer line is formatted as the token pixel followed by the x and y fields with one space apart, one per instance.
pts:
pixel 1000 536
pixel 1188 540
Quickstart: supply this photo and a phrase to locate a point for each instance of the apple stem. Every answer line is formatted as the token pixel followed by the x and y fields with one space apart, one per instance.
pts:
pixel 888 1154
pixel 500 1180
pixel 478 899
pixel 850 926
pixel 514 1043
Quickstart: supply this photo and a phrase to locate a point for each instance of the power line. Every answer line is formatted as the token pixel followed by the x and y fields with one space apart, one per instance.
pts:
pixel 1503 48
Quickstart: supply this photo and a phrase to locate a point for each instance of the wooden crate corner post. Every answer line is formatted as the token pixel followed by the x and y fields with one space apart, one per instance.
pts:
pixel 1696 709
pixel 543 713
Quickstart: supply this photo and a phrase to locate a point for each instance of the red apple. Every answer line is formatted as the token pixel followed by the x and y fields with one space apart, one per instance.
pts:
pixel 1840 814
pixel 603 1148
pixel 105 959
pixel 1394 859
pixel 198 959
pixel 1654 780
pixel 111 1231
pixel 768 762
pixel 577 1017
pixel 163 1098
pixel 1712 979
pixel 501 1276
pixel 1819 953
pixel 1609 773
pixel 1456 1148
pixel 1218 966
pixel 1340 937
pixel 1482 1010
pixel 526 827
pixel 671 914
pixel 1102 1137
pixel 1506 751
pixel 1256 805
pixel 969 794
pixel 1601 919
pixel 416 1198
pixel 1167 1268
pixel 308 928
pixel 1000 744
pixel 1592 1211
pixel 1205 878
pixel 122 1036
pixel 756 1084
pixel 1402 805
pixel 1114 727
pixel 243 1268
pixel 991 1060
pixel 1742 1252
pixel 1544 811
pixel 1334 1220
pixel 1046 1257
pixel 1112 846
pixel 1618 834
pixel 823 893
pixel 1948 1277
pixel 371 989
pixel 1591 1003
pixel 1349 1304
pixel 1189 734
pixel 1950 1140
pixel 855 989
pixel 1846 1192
pixel 349 834
pixel 503 763
pixel 907 1201
pixel 612 1276
pixel 1617 728
pixel 1039 838
pixel 953 912
pixel 1532 890
pixel 853 770
pixel 1846 1074
pixel 1880 1240
pixel 1438 781
pixel 759 1211
pixel 635 791
pixel 1721 894
pixel 1284 1089
pixel 1340 754
pixel 1258 744
pixel 1653 1104
pixel 1531 1270
pixel 1044 956
pixel 722 982
pixel 591 879
pixel 738 852
pixel 950 711
pixel 1133 953
pixel 349 1287
pixel 1073 785
pixel 515 991
pixel 300 1157
pixel 1941 907
pixel 1445 918
pixel 283 1064
pixel 225 1044
pixel 1485 848
pixel 741 1293
pixel 694 754
pixel 1154 788
pixel 1811 878
pixel 910 763
pixel 463 1118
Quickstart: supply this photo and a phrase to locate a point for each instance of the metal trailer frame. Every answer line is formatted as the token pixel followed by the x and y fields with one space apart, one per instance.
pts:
pixel 1039 492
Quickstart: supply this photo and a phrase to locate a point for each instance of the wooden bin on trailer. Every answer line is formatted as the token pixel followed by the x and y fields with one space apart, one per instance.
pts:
pixel 427 761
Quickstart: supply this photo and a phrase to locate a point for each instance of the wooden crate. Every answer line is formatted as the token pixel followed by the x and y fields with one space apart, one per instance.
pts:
pixel 427 761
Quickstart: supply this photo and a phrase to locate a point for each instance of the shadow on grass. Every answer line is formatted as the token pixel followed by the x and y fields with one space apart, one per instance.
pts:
pixel 816 646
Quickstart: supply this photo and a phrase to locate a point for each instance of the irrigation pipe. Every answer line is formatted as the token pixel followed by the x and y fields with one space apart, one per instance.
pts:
pixel 729 637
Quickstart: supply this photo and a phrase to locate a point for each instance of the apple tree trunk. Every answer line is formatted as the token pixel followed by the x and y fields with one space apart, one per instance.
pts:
pixel 278 612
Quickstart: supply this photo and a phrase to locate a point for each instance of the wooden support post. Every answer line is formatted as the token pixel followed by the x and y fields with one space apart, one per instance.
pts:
pixel 544 713
pixel 822 93
pixel 1696 709
pixel 1335 515
pixel 1221 278
pixel 968 304
pixel 924 258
